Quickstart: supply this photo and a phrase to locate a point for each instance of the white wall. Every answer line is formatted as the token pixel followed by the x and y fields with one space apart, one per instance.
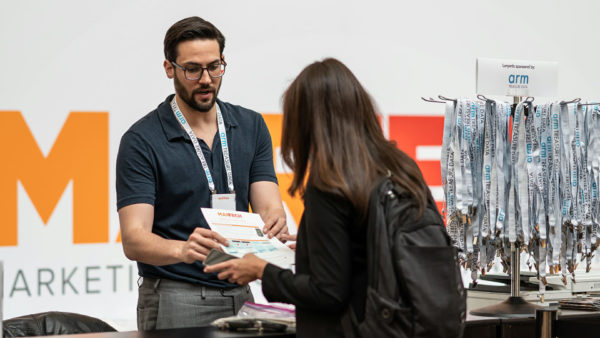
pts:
pixel 71 55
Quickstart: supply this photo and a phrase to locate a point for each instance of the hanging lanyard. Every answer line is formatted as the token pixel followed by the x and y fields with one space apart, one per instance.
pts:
pixel 488 157
pixel 581 141
pixel 503 164
pixel 530 175
pixel 447 137
pixel 574 164
pixel 194 139
pixel 469 115
pixel 567 153
pixel 453 153
pixel 478 165
pixel 544 151
pixel 544 141
pixel 554 218
pixel 477 210
pixel 517 162
pixel 585 236
pixel 459 160
pixel 493 197
pixel 593 132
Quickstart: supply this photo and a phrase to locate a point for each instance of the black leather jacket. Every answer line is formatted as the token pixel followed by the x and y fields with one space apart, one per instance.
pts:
pixel 53 323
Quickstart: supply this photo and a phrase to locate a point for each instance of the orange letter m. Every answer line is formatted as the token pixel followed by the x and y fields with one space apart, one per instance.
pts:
pixel 80 153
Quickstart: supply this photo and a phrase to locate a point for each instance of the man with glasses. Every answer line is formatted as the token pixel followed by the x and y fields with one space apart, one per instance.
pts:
pixel 193 151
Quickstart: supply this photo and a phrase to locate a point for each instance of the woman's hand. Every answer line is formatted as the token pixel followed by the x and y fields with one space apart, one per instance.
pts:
pixel 241 271
pixel 288 237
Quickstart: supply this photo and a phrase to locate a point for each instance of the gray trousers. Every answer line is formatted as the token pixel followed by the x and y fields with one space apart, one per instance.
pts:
pixel 165 304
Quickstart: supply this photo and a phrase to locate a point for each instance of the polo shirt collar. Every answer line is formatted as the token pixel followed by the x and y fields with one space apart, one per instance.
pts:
pixel 173 129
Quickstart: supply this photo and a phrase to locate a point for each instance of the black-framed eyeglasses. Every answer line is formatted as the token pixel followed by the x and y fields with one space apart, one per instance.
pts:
pixel 195 72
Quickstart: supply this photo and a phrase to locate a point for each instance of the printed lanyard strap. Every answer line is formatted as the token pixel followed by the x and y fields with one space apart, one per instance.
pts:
pixel 447 137
pixel 568 138
pixel 488 157
pixel 502 163
pixel 555 214
pixel 593 132
pixel 222 135
pixel 459 176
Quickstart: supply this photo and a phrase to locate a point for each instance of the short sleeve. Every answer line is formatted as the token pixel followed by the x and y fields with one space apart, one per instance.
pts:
pixel 136 179
pixel 262 163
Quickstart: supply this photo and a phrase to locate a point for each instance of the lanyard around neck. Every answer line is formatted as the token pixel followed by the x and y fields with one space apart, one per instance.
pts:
pixel 222 135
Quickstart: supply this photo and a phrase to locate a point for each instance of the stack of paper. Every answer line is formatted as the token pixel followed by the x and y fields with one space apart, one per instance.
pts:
pixel 583 304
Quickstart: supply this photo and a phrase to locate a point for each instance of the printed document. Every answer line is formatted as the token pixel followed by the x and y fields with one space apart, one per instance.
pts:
pixel 243 230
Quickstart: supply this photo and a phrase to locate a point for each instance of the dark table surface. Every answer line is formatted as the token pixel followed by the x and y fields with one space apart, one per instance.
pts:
pixel 194 332
pixel 569 324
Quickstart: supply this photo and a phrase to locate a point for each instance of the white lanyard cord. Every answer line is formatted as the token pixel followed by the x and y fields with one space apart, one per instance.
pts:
pixel 222 135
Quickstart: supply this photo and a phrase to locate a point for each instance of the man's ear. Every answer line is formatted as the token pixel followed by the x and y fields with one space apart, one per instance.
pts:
pixel 169 69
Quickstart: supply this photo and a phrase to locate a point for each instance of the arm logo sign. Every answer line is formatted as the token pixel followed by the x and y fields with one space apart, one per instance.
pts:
pixel 80 154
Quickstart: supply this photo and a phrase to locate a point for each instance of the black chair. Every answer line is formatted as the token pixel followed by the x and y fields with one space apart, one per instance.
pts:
pixel 53 323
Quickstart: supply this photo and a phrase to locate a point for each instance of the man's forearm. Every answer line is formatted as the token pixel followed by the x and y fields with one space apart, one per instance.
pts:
pixel 149 248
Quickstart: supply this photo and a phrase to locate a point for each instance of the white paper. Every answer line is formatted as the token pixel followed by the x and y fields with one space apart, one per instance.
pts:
pixel 243 230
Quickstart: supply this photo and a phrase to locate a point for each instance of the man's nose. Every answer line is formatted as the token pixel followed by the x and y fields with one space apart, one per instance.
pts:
pixel 205 78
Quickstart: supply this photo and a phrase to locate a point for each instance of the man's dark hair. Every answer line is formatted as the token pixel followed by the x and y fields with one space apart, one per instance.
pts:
pixel 191 28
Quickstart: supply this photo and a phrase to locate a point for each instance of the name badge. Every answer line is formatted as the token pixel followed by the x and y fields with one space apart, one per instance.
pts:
pixel 223 201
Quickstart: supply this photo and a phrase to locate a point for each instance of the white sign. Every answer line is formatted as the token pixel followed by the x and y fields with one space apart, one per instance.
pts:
pixel 517 77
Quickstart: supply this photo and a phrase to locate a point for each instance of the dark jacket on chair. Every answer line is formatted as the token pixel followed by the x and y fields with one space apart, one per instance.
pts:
pixel 53 323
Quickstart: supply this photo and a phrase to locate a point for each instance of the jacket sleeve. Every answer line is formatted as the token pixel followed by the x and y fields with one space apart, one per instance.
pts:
pixel 324 249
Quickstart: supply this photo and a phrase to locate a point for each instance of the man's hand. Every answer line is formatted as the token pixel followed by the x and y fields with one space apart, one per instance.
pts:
pixel 266 201
pixel 275 225
pixel 199 244
pixel 142 245
pixel 241 271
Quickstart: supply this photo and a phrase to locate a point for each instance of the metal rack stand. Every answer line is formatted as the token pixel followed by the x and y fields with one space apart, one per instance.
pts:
pixel 515 306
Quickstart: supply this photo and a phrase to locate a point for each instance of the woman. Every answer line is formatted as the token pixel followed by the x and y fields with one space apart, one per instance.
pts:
pixel 333 142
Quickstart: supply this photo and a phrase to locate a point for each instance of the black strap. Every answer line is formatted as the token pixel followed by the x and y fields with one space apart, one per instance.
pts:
pixel 347 324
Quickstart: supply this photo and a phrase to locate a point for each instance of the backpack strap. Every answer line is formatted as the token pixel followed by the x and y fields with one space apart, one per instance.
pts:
pixel 375 233
pixel 348 325
pixel 383 198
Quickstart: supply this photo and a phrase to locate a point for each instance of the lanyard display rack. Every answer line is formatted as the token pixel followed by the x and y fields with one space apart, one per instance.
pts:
pixel 515 306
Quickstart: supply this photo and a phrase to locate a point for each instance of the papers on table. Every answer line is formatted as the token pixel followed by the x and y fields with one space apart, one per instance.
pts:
pixel 584 304
pixel 243 230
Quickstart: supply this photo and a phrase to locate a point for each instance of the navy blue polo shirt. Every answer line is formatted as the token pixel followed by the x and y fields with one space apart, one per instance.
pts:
pixel 157 165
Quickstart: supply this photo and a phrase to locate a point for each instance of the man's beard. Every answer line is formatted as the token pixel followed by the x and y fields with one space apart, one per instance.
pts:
pixel 188 98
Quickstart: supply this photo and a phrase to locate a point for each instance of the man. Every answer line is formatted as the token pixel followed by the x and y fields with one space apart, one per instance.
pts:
pixel 192 151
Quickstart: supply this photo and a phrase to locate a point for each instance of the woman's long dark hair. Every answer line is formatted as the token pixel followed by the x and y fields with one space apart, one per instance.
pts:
pixel 331 131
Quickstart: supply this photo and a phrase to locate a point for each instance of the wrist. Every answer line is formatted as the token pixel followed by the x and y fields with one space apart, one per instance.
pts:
pixel 178 252
pixel 261 265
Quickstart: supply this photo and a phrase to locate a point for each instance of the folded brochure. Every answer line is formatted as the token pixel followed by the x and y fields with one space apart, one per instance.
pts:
pixel 244 232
